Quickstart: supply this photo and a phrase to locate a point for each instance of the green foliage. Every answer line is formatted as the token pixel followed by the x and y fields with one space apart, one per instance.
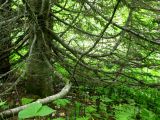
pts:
pixel 82 118
pixel 2 103
pixel 45 110
pixel 123 76
pixel 34 110
pixel 124 112
pixel 61 70
pixel 105 99
pixel 61 102
pixel 147 115
pixel 30 111
pixel 90 109
pixel 14 57
pixel 77 108
pixel 59 119
pixel 26 100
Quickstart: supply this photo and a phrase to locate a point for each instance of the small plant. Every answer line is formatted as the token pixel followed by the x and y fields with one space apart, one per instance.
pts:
pixel 61 102
pixel 77 108
pixel 90 110
pixel 35 110
pixel 105 99
pixel 147 115
pixel 26 101
pixel 125 112
pixel 2 103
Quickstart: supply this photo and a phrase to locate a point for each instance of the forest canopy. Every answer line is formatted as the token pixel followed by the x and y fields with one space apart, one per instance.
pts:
pixel 97 50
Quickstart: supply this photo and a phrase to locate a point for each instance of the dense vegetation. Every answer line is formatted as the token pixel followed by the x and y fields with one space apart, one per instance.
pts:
pixel 105 53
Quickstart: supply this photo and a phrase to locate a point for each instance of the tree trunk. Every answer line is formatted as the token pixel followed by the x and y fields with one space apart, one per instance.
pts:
pixel 5 42
pixel 39 73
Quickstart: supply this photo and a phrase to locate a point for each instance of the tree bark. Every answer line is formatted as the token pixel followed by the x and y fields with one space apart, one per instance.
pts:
pixel 39 73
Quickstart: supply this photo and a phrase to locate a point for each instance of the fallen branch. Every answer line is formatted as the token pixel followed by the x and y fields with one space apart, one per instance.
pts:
pixel 48 99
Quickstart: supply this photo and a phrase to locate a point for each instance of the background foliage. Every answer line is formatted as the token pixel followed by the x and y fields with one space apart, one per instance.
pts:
pixel 108 49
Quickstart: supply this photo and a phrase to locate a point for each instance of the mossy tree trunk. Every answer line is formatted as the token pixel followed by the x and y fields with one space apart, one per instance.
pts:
pixel 39 73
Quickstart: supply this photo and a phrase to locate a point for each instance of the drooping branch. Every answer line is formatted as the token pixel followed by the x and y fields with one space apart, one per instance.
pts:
pixel 83 31
pixel 98 39
pixel 138 34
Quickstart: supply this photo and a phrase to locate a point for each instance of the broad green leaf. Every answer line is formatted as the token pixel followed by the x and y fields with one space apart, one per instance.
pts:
pixel 44 110
pixel 30 111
